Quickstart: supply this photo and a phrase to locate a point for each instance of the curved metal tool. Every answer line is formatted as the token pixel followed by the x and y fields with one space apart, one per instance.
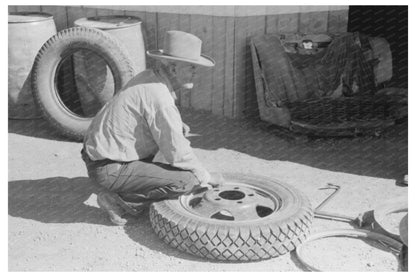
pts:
pixel 334 216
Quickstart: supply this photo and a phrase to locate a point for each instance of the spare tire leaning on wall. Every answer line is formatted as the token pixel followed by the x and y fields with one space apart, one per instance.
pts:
pixel 48 62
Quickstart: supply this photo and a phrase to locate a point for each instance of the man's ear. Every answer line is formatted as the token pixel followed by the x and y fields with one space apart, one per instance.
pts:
pixel 172 67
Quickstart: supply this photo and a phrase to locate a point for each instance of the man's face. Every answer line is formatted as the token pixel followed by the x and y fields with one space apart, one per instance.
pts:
pixel 184 73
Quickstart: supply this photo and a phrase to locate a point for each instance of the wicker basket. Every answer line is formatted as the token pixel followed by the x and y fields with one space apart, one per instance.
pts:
pixel 346 115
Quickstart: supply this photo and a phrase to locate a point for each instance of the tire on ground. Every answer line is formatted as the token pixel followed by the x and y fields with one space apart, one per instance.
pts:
pixel 271 236
pixel 47 63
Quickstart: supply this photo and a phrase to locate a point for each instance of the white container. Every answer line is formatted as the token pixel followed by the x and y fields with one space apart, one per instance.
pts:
pixel 28 31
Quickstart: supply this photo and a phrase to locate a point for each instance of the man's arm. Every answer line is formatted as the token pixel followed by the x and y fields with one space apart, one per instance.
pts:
pixel 166 127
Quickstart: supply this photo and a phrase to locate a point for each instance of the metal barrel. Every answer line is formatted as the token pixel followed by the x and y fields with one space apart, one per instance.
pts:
pixel 27 32
pixel 94 81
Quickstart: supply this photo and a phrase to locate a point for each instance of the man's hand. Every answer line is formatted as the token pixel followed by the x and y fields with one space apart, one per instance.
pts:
pixel 216 179
pixel 185 129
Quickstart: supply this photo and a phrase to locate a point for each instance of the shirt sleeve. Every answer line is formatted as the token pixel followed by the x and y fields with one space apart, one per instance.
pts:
pixel 166 128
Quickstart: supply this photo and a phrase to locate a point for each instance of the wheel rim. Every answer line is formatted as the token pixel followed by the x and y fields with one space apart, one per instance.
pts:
pixel 233 201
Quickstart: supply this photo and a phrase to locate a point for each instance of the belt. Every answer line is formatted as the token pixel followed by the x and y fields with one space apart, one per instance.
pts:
pixel 87 159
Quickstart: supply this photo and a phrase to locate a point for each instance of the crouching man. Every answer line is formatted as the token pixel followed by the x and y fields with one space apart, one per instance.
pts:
pixel 135 147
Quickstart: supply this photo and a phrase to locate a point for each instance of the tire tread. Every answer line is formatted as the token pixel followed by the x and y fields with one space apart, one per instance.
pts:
pixel 246 243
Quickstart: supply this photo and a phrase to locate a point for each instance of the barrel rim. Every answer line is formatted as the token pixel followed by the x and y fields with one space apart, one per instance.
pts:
pixel 79 21
pixel 42 16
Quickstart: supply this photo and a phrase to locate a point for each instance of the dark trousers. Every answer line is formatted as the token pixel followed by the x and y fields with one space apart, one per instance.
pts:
pixel 140 181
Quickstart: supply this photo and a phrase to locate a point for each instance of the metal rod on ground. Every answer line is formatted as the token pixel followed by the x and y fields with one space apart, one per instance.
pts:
pixel 325 201
pixel 333 216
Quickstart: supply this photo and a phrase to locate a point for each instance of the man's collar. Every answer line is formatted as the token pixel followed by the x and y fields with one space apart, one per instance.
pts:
pixel 162 76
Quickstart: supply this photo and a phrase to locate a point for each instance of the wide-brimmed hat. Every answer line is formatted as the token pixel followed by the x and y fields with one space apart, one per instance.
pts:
pixel 181 46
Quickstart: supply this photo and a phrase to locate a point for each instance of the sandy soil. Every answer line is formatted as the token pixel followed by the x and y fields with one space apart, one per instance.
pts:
pixel 55 225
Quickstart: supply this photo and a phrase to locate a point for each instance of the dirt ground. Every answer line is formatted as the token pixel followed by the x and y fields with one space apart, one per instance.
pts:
pixel 55 225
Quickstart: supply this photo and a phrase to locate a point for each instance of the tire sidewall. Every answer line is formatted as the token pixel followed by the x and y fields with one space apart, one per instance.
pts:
pixel 292 203
pixel 54 51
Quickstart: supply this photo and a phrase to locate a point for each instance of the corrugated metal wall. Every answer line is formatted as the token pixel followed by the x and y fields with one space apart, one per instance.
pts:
pixel 228 89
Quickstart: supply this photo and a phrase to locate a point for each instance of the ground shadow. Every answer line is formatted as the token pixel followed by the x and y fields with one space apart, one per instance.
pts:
pixel 383 157
pixel 55 200
pixel 38 128
pixel 62 200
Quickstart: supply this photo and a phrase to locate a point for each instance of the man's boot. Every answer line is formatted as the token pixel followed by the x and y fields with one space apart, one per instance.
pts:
pixel 108 202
